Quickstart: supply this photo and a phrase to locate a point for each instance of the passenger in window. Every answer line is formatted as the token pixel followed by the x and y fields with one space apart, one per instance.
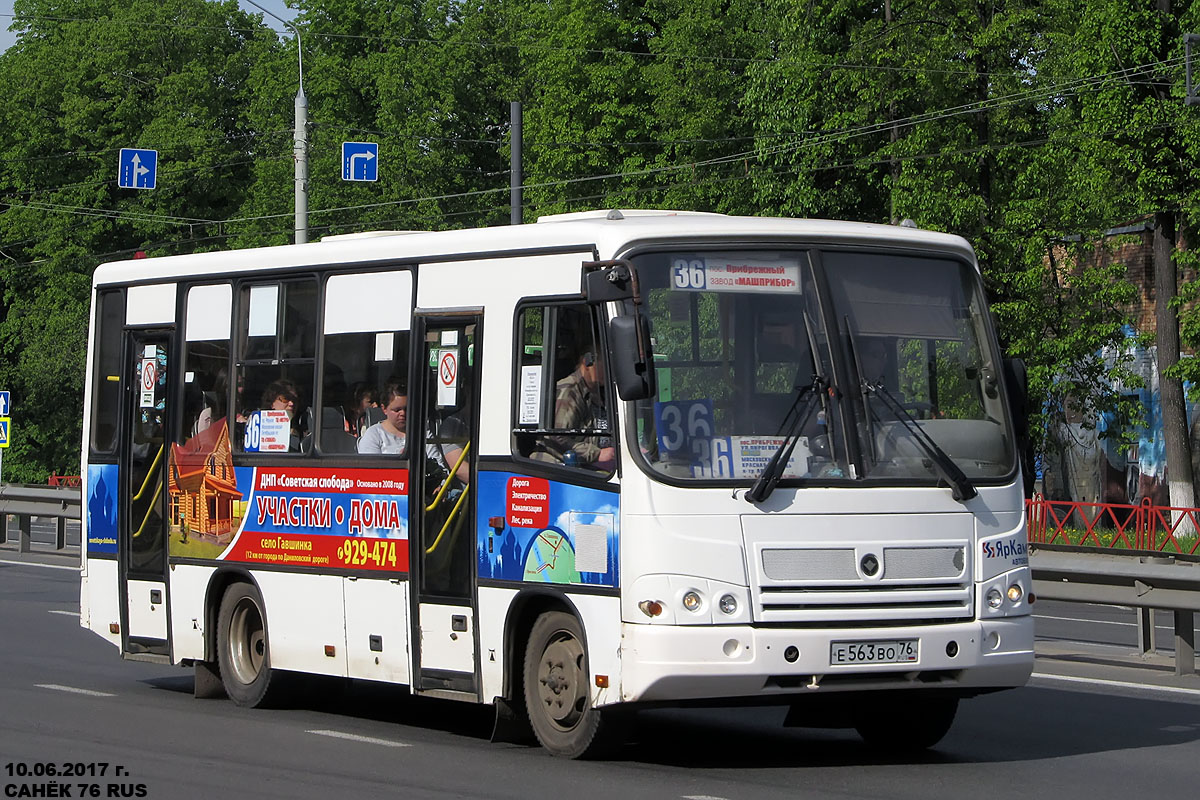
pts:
pixel 284 395
pixel 579 404
pixel 454 435
pixel 390 436
pixel 281 395
pixel 387 437
pixel 358 412
pixel 209 412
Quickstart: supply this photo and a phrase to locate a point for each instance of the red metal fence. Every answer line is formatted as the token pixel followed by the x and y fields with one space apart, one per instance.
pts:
pixel 1113 526
pixel 65 480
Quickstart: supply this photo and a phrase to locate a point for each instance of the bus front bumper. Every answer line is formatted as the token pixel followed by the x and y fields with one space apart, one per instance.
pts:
pixel 666 663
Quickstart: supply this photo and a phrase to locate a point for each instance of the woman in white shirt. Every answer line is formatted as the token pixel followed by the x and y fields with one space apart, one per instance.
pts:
pixel 388 437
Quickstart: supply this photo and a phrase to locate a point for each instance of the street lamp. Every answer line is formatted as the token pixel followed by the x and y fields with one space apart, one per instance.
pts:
pixel 300 139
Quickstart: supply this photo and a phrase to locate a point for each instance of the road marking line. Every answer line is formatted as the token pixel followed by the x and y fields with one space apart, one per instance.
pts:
pixel 701 797
pixel 1120 684
pixel 36 564
pixel 64 613
pixel 363 739
pixel 74 690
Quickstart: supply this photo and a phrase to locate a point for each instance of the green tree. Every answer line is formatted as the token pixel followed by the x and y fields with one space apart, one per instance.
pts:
pixel 85 78
pixel 1128 129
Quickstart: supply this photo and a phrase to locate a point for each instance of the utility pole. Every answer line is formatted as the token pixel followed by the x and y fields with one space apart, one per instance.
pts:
pixel 1189 97
pixel 514 157
pixel 894 134
pixel 300 138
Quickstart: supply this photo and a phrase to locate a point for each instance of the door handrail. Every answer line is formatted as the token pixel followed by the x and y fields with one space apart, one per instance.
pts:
pixel 150 473
pixel 449 519
pixel 149 510
pixel 446 484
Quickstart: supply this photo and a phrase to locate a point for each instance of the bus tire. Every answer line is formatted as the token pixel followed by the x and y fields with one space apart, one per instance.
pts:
pixel 558 693
pixel 243 650
pixel 907 723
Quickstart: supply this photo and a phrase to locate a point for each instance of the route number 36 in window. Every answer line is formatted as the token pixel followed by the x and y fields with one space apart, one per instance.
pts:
pixel 688 273
pixel 252 437
pixel 680 422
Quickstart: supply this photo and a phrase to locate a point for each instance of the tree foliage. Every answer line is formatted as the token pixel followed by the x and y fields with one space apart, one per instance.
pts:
pixel 1028 127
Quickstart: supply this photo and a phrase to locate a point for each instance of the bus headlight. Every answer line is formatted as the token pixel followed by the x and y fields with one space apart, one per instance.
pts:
pixel 994 598
pixel 1014 593
pixel 727 604
pixel 692 601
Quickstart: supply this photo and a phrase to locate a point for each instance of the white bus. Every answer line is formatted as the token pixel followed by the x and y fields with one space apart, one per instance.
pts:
pixel 656 458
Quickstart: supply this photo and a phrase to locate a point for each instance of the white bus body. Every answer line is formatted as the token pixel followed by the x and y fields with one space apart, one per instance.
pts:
pixel 550 547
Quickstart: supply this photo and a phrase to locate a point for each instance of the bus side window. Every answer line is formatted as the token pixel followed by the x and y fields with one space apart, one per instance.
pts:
pixel 207 323
pixel 368 317
pixel 563 408
pixel 106 379
pixel 276 352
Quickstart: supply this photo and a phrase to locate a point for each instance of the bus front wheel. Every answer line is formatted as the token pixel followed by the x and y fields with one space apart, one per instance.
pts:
pixel 558 694
pixel 907 723
pixel 242 648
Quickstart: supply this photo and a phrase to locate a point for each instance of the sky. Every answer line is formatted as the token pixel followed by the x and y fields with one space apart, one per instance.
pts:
pixel 278 7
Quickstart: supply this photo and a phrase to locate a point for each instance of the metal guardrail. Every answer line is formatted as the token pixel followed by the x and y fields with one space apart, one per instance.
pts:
pixel 26 502
pixel 1143 556
pixel 1140 581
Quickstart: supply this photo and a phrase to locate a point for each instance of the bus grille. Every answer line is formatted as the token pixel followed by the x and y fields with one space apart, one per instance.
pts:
pixel 828 585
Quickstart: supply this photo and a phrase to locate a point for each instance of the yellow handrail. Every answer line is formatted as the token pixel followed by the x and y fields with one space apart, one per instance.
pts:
pixel 149 510
pixel 446 485
pixel 150 473
pixel 449 519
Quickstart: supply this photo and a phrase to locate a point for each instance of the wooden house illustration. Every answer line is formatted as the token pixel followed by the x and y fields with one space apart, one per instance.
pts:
pixel 203 487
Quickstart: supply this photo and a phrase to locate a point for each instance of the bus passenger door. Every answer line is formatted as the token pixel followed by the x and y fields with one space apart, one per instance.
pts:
pixel 143 528
pixel 443 434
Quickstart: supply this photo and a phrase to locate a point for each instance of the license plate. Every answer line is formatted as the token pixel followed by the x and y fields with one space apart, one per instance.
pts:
pixel 881 651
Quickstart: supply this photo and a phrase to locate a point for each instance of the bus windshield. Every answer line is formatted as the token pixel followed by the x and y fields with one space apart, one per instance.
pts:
pixel 850 364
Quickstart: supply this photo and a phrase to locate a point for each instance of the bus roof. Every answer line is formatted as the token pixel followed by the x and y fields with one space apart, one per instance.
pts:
pixel 609 232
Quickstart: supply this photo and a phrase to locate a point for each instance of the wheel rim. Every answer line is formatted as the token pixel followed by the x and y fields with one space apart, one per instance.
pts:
pixel 247 641
pixel 561 684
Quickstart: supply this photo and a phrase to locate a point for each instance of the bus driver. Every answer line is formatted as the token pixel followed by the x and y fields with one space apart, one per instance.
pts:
pixel 579 404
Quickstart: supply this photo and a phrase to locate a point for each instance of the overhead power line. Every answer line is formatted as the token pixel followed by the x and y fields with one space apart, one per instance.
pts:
pixel 1031 95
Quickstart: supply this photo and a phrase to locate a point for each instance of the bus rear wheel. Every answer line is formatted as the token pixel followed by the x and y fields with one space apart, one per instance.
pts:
pixel 557 692
pixel 243 650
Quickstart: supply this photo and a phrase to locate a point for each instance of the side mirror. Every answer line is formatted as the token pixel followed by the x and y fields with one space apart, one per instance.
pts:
pixel 608 281
pixel 1016 379
pixel 632 361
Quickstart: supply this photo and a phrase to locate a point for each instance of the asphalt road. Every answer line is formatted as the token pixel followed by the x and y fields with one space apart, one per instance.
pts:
pixel 67 698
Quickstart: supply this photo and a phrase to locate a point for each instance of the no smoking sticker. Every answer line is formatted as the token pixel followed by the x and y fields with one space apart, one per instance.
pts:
pixel 448 378
pixel 149 378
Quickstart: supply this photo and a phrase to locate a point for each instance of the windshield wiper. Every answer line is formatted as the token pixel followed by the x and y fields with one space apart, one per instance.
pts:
pixel 960 485
pixel 767 481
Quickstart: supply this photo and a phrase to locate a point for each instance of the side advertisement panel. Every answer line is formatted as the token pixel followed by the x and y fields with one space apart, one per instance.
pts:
pixel 551 532
pixel 289 516
pixel 102 509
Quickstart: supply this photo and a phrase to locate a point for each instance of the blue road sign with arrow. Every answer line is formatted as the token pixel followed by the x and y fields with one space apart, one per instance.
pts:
pixel 5 403
pixel 137 169
pixel 360 161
